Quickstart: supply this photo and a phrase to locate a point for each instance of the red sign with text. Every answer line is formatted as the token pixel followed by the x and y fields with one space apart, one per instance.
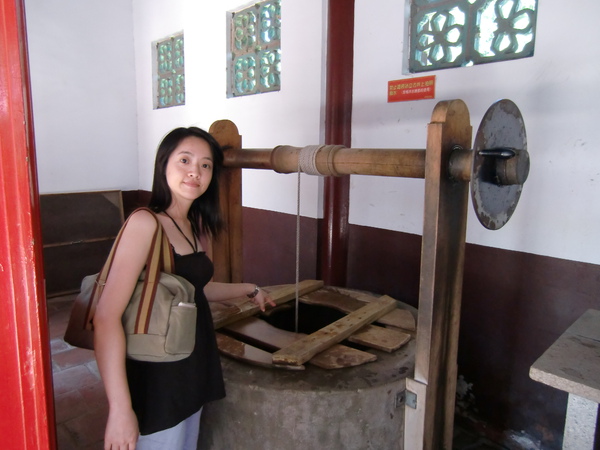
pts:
pixel 419 88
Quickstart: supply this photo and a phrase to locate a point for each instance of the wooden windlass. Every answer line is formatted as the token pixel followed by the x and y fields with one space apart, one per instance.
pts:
pixel 447 167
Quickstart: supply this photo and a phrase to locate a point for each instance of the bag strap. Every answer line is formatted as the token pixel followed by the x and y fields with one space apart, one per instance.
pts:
pixel 160 258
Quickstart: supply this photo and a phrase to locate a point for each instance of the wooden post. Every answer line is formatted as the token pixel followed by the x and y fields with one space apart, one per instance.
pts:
pixel 227 248
pixel 429 423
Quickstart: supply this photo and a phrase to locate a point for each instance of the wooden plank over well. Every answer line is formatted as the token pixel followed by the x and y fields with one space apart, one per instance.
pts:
pixel 249 354
pixel 346 300
pixel 339 356
pixel 245 308
pixel 380 338
pixel 258 332
pixel 304 349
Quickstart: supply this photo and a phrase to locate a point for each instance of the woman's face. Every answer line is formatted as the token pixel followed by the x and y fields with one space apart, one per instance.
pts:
pixel 189 169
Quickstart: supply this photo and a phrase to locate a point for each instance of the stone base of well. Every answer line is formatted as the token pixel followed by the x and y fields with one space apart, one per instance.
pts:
pixel 271 409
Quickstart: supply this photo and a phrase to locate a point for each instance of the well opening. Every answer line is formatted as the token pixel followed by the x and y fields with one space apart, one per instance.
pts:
pixel 311 318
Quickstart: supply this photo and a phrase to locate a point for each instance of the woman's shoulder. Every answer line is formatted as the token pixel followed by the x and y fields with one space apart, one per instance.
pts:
pixel 142 221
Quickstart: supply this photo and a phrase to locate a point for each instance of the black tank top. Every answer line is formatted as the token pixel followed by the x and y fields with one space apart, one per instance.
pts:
pixel 163 394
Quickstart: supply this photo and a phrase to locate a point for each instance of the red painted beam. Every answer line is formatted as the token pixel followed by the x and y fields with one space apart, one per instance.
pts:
pixel 338 131
pixel 26 396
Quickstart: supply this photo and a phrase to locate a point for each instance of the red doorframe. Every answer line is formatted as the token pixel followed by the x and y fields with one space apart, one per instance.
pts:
pixel 26 395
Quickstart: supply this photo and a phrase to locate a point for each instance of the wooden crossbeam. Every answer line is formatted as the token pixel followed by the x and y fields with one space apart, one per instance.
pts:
pixel 304 349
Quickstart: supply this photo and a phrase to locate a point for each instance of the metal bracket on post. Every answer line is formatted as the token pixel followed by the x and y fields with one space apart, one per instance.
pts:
pixel 411 399
pixel 406 398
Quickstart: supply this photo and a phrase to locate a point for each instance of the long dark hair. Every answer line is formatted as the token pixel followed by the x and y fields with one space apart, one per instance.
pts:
pixel 205 212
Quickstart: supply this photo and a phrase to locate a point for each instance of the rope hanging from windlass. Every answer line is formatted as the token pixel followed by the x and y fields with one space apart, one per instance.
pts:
pixel 307 163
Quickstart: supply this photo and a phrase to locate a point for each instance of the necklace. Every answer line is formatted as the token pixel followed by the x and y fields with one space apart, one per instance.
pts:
pixel 195 244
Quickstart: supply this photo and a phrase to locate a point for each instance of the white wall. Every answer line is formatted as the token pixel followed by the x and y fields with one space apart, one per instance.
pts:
pixel 557 92
pixel 83 92
pixel 88 124
pixel 291 116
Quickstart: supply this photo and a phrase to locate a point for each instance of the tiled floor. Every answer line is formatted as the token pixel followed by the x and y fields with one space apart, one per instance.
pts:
pixel 81 406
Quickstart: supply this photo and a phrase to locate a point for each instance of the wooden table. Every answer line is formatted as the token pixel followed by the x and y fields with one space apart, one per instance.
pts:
pixel 572 364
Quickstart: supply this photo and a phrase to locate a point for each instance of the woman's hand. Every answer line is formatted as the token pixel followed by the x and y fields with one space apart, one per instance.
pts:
pixel 261 299
pixel 222 292
pixel 121 430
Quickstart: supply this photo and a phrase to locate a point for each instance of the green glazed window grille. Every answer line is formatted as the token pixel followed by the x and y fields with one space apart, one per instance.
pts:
pixel 255 49
pixel 455 33
pixel 170 72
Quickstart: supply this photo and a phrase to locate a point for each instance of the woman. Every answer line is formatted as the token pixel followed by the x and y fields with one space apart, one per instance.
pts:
pixel 160 403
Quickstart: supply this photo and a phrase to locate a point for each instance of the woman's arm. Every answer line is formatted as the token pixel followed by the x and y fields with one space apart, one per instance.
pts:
pixel 109 337
pixel 219 292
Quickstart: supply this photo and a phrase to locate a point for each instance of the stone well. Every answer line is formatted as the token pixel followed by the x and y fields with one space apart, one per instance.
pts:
pixel 273 409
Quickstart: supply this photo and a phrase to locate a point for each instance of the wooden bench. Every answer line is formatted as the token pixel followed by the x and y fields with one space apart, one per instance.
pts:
pixel 572 364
